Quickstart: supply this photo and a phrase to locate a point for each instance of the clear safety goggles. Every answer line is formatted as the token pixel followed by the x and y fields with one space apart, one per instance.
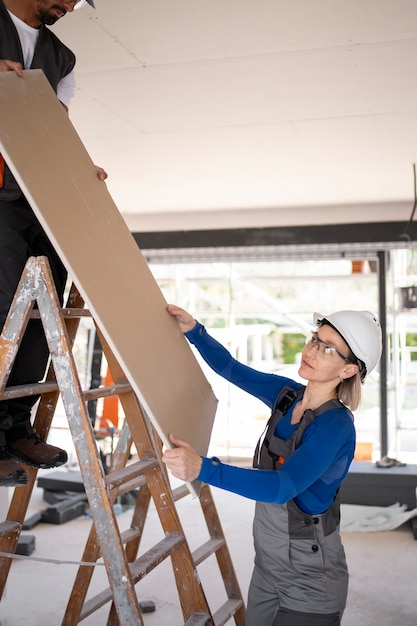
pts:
pixel 328 351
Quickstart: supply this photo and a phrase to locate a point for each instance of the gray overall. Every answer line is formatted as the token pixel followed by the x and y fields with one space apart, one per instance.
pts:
pixel 300 576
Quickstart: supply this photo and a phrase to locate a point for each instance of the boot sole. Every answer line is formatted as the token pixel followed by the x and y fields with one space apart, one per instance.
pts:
pixel 27 461
pixel 15 479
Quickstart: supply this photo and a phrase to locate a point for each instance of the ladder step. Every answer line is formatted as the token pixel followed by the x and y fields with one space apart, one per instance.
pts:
pixel 104 392
pixel 9 529
pixel 226 611
pixel 207 549
pixel 198 619
pixel 67 313
pixel 130 474
pixel 180 492
pixel 128 534
pixel 20 391
pixel 155 555
pixel 139 568
pixel 130 485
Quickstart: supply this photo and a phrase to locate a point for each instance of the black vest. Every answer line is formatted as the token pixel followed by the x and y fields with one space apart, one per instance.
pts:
pixel 51 56
pixel 272 452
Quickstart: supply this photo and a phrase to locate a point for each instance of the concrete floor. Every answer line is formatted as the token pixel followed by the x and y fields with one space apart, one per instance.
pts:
pixel 383 569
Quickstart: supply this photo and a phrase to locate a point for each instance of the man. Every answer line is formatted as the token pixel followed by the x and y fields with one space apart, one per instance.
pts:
pixel 27 43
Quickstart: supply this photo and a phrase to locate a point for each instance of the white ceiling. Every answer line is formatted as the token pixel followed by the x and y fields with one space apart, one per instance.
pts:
pixel 229 113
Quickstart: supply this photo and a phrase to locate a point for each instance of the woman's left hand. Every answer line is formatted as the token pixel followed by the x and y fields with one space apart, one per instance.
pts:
pixel 183 461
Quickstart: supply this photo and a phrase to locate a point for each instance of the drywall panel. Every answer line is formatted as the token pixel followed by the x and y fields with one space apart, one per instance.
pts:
pixel 59 179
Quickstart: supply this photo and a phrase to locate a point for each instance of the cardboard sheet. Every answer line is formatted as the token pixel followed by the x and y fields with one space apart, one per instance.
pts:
pixel 76 210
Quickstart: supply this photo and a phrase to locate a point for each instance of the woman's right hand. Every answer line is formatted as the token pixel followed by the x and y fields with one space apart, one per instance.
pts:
pixel 185 321
pixel 182 460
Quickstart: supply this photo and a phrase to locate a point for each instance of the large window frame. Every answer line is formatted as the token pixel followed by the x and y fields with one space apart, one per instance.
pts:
pixel 375 242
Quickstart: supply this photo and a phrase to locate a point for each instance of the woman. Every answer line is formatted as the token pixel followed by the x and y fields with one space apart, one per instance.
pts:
pixel 300 575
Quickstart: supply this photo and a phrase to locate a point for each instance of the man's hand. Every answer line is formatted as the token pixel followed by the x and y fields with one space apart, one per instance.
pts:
pixel 183 460
pixel 102 174
pixel 185 321
pixel 11 66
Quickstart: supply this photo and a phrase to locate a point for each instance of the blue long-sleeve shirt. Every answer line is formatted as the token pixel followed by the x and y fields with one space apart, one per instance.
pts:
pixel 313 473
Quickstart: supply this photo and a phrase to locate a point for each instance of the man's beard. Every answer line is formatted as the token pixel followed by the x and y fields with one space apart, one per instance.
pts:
pixel 47 17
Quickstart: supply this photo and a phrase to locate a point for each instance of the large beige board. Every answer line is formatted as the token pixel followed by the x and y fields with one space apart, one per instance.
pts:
pixel 76 210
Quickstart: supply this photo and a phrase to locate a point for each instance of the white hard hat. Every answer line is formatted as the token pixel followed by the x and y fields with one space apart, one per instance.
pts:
pixel 81 3
pixel 361 331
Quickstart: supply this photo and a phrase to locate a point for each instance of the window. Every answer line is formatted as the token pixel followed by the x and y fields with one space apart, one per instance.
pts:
pixel 262 310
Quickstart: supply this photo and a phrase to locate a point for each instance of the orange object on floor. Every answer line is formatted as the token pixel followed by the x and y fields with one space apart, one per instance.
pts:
pixel 110 415
pixel 363 451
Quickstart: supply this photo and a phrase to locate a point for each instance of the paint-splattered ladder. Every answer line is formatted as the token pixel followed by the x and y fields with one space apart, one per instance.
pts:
pixel 147 476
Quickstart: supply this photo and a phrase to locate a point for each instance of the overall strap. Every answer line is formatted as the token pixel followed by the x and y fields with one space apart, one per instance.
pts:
pixel 284 400
pixel 273 451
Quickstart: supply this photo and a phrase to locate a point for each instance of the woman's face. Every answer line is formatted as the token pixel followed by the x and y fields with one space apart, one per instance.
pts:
pixel 326 357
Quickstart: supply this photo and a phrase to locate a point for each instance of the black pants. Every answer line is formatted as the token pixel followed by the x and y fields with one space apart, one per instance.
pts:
pixel 22 236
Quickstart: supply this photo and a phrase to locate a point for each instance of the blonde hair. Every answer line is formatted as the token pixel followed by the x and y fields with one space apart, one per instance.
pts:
pixel 349 391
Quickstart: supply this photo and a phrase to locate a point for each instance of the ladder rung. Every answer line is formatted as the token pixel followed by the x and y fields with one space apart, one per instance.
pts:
pixel 207 549
pixel 226 611
pixel 9 529
pixel 129 534
pixel 104 392
pixel 67 313
pixel 96 603
pixel 139 568
pixel 130 485
pixel 122 476
pixel 198 619
pixel 20 391
pixel 155 555
pixel 180 492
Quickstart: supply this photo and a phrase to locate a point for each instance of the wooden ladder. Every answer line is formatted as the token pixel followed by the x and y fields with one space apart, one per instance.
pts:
pixel 120 551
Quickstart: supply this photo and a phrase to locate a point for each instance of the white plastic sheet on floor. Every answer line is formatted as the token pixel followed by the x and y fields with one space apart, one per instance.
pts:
pixel 365 519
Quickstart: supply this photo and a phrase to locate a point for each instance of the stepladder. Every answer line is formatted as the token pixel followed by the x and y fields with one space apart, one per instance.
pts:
pixel 136 468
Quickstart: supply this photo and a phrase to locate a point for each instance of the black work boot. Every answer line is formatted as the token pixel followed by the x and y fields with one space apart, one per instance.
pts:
pixel 12 474
pixel 34 451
